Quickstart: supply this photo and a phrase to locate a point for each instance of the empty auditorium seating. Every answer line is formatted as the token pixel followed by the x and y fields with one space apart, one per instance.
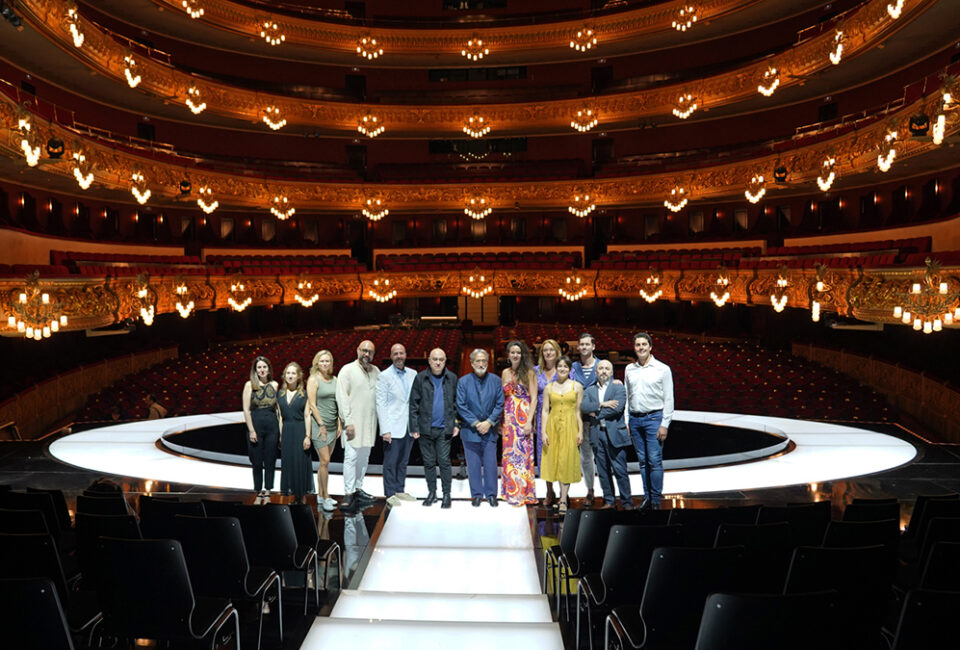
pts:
pixel 468 261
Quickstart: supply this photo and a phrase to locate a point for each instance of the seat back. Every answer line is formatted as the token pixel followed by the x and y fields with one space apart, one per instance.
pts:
pixel 216 508
pixel 157 516
pixel 679 581
pixel 33 617
pixel 872 512
pixel 144 588
pixel 939 529
pixel 41 501
pixel 215 554
pixel 90 528
pixel 928 620
pixel 59 505
pixel 847 534
pixel 784 622
pixel 304 524
pixel 918 517
pixel 269 536
pixel 23 521
pixel 569 531
pixel 32 555
pixel 942 568
pixel 808 521
pixel 102 505
pixel 627 559
pixel 592 539
pixel 773 536
pixel 699 524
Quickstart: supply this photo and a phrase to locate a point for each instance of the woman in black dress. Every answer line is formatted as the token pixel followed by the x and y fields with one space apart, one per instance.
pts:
pixel 296 475
pixel 263 428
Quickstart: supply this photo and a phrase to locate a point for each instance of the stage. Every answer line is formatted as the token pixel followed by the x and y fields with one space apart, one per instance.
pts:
pixel 801 452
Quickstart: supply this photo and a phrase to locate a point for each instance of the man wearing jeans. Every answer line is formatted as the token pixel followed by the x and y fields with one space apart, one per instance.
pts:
pixel 393 399
pixel 650 404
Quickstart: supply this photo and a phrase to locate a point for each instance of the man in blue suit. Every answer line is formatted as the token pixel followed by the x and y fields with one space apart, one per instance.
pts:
pixel 603 404
pixel 480 403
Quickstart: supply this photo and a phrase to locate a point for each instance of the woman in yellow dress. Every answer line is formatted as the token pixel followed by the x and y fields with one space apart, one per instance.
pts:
pixel 563 432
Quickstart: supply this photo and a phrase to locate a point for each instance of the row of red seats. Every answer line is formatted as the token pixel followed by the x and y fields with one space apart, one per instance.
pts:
pixel 916 244
pixel 63 257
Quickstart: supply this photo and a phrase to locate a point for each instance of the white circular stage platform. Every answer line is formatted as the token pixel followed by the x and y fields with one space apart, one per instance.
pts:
pixel 821 452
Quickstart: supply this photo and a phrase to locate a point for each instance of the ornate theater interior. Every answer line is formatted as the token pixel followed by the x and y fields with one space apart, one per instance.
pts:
pixel 770 189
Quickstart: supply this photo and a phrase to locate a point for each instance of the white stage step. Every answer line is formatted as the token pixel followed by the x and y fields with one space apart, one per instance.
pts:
pixel 451 608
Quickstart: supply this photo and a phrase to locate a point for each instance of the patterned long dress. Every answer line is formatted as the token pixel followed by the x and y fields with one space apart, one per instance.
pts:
pixel 517 487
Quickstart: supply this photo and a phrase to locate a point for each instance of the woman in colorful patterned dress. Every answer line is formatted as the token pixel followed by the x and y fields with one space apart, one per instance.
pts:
pixel 563 432
pixel 546 370
pixel 520 403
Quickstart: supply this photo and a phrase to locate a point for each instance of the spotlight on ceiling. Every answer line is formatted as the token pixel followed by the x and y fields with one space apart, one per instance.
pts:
pixel 55 148
pixel 780 174
pixel 919 124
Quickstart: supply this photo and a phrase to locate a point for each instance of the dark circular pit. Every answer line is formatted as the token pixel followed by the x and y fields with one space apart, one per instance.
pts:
pixel 689 445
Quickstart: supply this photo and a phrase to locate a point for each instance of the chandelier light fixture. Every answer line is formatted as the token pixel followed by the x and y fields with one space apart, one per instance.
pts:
pixel 273 118
pixel 895 9
pixel 583 40
pixel 836 54
pixel 35 313
pixel 721 292
pixel 130 71
pixel 477 285
pixel 73 23
pixel 817 287
pixel 827 174
pixel 584 120
pixel 581 205
pixel 374 209
pixel 281 208
pixel 206 201
pixel 368 48
pixel 146 298
pixel 370 126
pixel 194 101
pixel 686 105
pixel 476 126
pixel 29 141
pixel 652 287
pixel 81 170
pixel 677 200
pixel 193 8
pixel 778 296
pixel 185 302
pixel 477 208
pixel 474 50
pixel 887 151
pixel 381 291
pixel 946 104
pixel 270 32
pixel 686 17
pixel 304 295
pixel 930 304
pixel 770 82
pixel 756 189
pixel 239 298
pixel 574 289
pixel 139 187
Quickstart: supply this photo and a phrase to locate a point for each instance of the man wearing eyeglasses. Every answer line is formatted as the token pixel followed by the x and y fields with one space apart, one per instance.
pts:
pixel 357 403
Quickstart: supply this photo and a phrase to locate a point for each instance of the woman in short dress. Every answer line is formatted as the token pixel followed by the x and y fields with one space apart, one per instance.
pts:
pixel 263 427
pixel 324 420
pixel 520 402
pixel 546 370
pixel 296 469
pixel 563 432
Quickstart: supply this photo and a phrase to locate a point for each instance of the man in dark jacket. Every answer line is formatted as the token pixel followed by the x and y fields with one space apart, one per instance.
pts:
pixel 602 407
pixel 434 422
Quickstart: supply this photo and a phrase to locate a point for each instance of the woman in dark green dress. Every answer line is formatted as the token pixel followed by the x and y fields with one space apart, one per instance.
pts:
pixel 296 470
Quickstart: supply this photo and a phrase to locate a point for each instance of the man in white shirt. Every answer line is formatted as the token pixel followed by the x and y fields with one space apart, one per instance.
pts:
pixel 650 406
pixel 393 412
pixel 356 402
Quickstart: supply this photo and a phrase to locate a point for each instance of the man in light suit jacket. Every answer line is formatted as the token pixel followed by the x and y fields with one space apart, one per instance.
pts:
pixel 603 404
pixel 393 400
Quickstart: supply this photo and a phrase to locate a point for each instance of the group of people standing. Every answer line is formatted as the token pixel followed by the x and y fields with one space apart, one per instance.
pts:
pixel 543 413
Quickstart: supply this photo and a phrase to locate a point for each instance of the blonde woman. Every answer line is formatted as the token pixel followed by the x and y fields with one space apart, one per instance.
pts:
pixel 263 428
pixel 295 476
pixel 324 420
pixel 546 371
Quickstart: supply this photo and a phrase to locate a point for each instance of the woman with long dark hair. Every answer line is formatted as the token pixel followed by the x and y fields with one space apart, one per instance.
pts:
pixel 296 475
pixel 520 403
pixel 263 426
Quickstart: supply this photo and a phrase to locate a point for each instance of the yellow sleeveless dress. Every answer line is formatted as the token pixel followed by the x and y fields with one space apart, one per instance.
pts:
pixel 561 457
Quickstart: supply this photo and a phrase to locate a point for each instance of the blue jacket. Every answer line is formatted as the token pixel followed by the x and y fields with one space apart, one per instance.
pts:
pixel 617 431
pixel 479 400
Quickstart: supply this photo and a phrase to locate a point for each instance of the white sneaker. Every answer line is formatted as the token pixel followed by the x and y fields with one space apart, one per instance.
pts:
pixel 327 504
pixel 406 496
pixel 395 500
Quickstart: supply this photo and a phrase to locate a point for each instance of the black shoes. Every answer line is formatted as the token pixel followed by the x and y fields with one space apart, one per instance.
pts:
pixel 647 504
pixel 360 494
pixel 492 500
pixel 432 498
pixel 446 501
pixel 476 502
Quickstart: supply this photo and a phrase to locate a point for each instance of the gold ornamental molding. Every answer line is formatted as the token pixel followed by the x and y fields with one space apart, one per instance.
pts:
pixel 854 152
pixel 860 30
pixel 529 43
pixel 866 294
